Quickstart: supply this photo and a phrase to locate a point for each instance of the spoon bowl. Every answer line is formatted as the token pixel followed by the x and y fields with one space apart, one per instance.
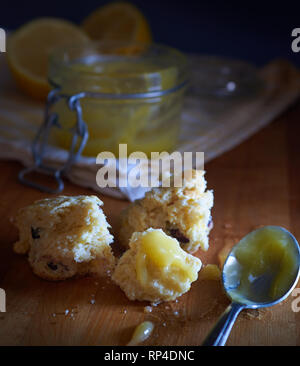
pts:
pixel 260 271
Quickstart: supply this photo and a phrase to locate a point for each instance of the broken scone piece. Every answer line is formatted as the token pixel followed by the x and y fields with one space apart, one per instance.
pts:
pixel 155 268
pixel 183 213
pixel 65 236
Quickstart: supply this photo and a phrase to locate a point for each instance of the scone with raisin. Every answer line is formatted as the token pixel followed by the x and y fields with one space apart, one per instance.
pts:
pixel 65 236
pixel 155 268
pixel 182 212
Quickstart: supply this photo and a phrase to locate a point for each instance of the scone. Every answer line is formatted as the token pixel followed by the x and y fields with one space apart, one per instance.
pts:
pixel 65 236
pixel 183 213
pixel 155 268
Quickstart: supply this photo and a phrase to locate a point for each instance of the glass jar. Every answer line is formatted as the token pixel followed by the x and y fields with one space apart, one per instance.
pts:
pixel 129 93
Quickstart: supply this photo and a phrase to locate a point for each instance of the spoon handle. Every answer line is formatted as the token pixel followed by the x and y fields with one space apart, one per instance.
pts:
pixel 220 332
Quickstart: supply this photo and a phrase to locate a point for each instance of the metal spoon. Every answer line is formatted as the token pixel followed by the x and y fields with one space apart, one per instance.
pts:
pixel 259 288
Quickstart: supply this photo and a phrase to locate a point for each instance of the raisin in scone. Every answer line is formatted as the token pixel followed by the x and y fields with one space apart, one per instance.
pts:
pixel 155 268
pixel 183 213
pixel 65 236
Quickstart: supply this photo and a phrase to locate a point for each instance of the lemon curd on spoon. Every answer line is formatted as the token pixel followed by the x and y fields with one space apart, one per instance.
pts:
pixel 267 263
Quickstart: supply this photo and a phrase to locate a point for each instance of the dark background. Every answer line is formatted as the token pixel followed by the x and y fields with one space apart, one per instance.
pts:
pixel 257 31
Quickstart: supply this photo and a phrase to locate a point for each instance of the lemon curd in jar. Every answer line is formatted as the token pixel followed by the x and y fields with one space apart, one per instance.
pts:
pixel 133 98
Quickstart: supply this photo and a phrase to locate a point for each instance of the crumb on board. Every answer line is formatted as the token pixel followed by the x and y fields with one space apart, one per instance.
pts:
pixel 223 254
pixel 210 272
pixel 254 314
pixel 148 309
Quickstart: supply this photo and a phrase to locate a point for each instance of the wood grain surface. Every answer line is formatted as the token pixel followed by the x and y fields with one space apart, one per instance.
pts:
pixel 257 183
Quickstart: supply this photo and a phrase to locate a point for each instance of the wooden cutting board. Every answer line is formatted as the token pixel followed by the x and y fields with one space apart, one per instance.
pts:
pixel 255 184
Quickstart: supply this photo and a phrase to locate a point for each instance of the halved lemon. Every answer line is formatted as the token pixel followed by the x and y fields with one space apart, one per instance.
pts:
pixel 118 21
pixel 28 51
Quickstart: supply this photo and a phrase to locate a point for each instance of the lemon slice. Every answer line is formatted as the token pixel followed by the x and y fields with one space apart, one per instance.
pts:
pixel 28 51
pixel 119 21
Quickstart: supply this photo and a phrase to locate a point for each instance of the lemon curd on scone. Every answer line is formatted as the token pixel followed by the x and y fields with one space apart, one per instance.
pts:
pixel 155 268
pixel 65 236
pixel 181 212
